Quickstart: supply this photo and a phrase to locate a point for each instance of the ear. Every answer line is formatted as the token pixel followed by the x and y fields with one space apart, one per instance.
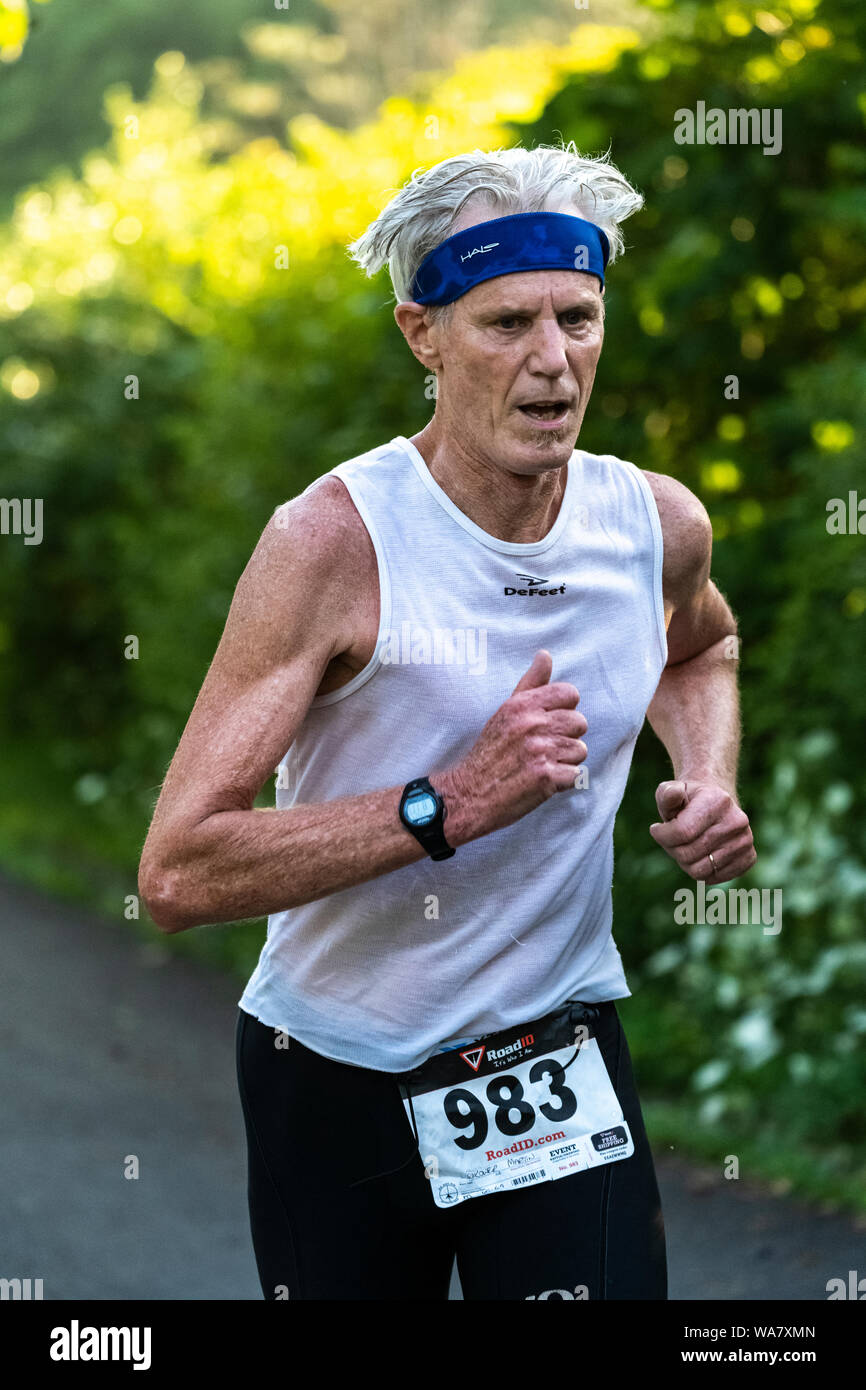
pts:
pixel 420 334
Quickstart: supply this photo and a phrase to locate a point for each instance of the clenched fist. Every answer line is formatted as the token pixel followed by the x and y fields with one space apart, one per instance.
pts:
pixel 704 830
pixel 528 750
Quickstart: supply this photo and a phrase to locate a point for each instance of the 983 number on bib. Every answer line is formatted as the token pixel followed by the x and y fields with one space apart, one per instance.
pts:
pixel 506 1094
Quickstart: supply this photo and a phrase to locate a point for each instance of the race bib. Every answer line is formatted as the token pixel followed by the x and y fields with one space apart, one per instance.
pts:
pixel 516 1109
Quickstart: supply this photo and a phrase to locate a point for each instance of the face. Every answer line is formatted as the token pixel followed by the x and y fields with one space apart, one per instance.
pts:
pixel 516 364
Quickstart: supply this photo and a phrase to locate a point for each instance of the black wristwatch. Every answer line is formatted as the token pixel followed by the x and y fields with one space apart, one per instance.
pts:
pixel 422 811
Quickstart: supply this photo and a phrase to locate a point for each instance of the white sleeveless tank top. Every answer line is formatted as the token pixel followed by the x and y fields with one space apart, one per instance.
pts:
pixel 437 953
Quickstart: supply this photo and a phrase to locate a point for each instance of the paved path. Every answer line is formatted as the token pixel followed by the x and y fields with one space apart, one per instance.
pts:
pixel 112 1047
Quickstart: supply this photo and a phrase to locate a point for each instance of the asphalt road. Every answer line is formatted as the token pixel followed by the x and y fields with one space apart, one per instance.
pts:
pixel 110 1047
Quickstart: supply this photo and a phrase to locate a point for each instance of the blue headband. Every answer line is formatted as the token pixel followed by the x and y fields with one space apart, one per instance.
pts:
pixel 523 241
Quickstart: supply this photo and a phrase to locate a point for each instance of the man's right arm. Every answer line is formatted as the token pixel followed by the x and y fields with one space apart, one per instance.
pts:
pixel 210 854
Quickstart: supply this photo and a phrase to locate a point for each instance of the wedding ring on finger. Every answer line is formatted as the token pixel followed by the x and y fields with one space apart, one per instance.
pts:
pixel 713 862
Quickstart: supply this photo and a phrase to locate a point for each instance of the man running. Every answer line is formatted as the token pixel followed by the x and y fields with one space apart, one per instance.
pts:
pixel 447 647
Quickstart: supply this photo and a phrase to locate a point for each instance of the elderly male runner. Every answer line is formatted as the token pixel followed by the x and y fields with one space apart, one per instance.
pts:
pixel 447 647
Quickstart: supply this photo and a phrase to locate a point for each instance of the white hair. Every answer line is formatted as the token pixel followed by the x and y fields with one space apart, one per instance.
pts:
pixel 548 178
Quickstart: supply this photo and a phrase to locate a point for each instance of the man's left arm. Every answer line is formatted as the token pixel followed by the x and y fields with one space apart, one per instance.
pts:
pixel 695 709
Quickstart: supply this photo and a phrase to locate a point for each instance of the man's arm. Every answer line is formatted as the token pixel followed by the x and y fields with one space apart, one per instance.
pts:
pixel 695 710
pixel 210 854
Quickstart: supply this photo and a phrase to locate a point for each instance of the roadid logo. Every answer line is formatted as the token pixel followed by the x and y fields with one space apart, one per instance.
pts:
pixel 510 1050
pixel 472 1056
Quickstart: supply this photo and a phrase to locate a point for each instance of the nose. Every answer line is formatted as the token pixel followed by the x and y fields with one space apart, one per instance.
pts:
pixel 547 345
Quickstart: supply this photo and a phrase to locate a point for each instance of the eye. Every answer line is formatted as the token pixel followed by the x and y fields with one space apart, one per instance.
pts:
pixel 574 316
pixel 508 321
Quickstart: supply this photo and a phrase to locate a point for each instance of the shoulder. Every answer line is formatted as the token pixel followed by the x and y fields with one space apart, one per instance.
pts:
pixel 323 521
pixel 312 560
pixel 687 534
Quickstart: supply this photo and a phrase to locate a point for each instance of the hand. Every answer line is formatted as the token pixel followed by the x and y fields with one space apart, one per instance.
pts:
pixel 528 750
pixel 702 819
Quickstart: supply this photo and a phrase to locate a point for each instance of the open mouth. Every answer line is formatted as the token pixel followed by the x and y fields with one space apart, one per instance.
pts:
pixel 545 410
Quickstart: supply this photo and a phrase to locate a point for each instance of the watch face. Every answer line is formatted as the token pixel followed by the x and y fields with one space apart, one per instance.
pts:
pixel 420 808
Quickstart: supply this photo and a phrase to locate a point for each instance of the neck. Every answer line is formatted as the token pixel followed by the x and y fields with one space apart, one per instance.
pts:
pixel 516 507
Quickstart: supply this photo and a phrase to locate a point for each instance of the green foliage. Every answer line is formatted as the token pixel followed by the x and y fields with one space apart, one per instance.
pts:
pixel 256 66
